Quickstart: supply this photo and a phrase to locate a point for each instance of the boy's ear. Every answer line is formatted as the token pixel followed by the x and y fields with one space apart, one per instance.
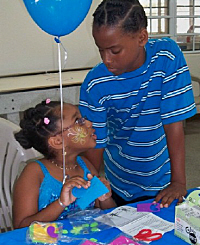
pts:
pixel 55 142
pixel 143 37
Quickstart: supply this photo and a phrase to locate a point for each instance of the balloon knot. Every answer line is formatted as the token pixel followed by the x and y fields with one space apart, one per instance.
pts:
pixel 57 39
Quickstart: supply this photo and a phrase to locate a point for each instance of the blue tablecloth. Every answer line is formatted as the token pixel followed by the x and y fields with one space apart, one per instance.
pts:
pixel 18 237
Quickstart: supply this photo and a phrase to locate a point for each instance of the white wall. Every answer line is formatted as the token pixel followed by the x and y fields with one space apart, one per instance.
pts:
pixel 25 48
pixel 193 61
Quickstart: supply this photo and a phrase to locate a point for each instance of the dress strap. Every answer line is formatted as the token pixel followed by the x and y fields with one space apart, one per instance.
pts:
pixel 84 167
pixel 44 169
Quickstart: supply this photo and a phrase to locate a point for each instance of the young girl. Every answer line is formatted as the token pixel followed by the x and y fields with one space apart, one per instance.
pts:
pixel 137 98
pixel 39 193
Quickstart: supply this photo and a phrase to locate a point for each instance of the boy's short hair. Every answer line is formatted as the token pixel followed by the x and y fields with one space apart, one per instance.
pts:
pixel 129 15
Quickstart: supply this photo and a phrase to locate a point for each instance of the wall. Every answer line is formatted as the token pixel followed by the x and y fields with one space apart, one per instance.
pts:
pixel 193 61
pixel 25 48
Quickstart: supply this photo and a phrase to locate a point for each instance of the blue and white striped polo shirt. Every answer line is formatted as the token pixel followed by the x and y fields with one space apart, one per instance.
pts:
pixel 128 113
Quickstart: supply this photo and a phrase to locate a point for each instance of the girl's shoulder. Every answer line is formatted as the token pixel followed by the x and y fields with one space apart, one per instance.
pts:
pixel 32 169
pixel 30 178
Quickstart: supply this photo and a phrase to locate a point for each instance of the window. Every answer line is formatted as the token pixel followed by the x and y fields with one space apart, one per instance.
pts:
pixel 177 19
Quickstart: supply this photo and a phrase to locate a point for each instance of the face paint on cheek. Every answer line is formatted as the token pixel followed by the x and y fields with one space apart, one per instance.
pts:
pixel 78 134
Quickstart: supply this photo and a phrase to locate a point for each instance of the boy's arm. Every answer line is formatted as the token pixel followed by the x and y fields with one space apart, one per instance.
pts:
pixel 95 156
pixel 176 146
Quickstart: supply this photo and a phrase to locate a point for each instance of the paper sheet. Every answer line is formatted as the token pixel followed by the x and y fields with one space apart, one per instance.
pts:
pixel 121 216
pixel 128 220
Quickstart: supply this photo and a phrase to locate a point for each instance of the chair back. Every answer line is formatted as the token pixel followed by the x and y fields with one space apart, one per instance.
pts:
pixel 11 155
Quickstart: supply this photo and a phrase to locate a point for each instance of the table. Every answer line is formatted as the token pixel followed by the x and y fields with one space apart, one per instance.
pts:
pixel 21 92
pixel 18 237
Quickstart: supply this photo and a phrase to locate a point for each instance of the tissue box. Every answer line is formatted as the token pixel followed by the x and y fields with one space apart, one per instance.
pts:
pixel 187 220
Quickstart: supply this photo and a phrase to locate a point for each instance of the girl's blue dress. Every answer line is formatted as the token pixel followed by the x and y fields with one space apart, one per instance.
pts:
pixel 50 190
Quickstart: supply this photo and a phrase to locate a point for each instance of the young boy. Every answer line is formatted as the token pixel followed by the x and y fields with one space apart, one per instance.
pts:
pixel 137 99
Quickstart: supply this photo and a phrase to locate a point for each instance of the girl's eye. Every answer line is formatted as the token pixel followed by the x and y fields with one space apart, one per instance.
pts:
pixel 80 121
pixel 77 120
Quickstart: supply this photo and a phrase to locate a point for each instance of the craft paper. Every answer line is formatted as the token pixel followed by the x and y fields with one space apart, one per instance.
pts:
pixel 148 207
pixel 87 196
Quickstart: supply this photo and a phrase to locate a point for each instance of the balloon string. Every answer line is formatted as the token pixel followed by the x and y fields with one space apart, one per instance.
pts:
pixel 61 106
pixel 65 51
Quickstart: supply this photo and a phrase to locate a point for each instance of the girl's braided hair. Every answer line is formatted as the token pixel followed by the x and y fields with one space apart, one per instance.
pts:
pixel 34 132
pixel 129 15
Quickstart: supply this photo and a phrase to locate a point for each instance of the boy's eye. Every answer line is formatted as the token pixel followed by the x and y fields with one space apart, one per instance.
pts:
pixel 115 51
pixel 100 51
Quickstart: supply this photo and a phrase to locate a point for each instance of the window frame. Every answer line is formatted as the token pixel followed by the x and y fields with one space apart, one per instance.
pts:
pixel 172 16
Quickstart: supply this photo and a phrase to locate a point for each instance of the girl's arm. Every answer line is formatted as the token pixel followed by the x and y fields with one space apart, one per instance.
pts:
pixel 25 199
pixel 26 194
pixel 106 201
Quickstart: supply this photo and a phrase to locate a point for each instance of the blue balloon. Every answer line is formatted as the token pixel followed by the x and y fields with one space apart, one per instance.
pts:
pixel 58 17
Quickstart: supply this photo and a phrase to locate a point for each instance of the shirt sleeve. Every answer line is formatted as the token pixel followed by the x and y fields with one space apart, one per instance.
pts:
pixel 177 101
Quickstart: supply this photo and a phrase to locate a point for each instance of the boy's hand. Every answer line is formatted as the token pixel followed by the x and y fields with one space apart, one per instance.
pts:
pixel 168 195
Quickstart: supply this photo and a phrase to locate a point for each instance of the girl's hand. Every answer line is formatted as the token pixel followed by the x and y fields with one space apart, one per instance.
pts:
pixel 107 195
pixel 66 196
pixel 107 184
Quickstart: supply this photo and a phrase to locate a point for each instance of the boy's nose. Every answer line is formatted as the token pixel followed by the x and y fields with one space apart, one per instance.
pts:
pixel 107 59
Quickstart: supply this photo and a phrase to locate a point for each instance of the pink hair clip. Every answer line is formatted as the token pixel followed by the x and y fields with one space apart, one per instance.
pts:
pixel 46 120
pixel 48 101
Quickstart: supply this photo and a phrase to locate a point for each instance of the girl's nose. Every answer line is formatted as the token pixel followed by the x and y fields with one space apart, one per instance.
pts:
pixel 88 123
